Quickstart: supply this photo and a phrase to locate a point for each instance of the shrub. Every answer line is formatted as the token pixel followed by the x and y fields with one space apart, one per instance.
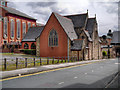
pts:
pixel 104 53
pixel 29 51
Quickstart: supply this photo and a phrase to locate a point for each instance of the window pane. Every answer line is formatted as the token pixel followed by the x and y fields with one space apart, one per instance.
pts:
pixel 18 29
pixel 5 27
pixel 12 28
pixel 29 25
pixel 24 29
pixel 53 38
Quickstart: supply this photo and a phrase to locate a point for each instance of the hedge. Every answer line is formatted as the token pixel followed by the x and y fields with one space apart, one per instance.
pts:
pixel 29 51
pixel 104 53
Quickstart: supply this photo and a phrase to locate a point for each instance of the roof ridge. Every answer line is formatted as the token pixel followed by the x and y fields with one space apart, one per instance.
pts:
pixel 10 8
pixel 62 16
pixel 91 18
pixel 76 14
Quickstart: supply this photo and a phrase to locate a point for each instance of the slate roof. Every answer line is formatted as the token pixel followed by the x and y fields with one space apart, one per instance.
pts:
pixel 77 45
pixel 16 12
pixel 67 26
pixel 116 37
pixel 89 38
pixel 90 25
pixel 78 20
pixel 33 33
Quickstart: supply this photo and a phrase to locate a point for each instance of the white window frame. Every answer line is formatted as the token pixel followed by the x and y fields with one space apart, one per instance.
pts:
pixel 12 27
pixel 18 29
pixel 23 29
pixel 5 28
pixel 29 25
pixel 33 25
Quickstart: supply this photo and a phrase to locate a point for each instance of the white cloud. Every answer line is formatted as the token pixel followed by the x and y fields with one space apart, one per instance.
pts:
pixel 106 12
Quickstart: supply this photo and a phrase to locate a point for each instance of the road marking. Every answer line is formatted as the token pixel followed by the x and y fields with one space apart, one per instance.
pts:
pixel 117 63
pixel 85 73
pixel 92 70
pixel 101 67
pixel 75 77
pixel 61 82
pixel 48 71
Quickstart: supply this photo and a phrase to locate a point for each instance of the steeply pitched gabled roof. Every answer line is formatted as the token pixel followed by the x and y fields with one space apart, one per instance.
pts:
pixel 67 25
pixel 16 12
pixel 78 20
pixel 33 33
pixel 77 45
pixel 116 37
pixel 90 25
pixel 87 34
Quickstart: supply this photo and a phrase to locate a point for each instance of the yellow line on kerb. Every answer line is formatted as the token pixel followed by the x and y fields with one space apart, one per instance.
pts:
pixel 46 71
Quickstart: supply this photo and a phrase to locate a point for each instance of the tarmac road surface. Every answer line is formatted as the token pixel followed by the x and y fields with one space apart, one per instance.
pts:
pixel 95 75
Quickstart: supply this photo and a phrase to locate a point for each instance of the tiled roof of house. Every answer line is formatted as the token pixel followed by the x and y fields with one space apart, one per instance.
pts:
pixel 16 12
pixel 67 26
pixel 78 20
pixel 90 25
pixel 116 37
pixel 77 45
pixel 33 33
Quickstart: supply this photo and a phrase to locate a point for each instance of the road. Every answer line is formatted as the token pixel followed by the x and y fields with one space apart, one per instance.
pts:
pixel 95 75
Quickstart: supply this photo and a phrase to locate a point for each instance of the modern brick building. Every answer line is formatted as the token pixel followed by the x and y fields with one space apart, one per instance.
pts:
pixel 66 36
pixel 13 26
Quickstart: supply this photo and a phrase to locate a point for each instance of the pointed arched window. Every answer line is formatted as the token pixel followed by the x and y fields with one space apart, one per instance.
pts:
pixel 53 38
pixel 26 46
pixel 33 46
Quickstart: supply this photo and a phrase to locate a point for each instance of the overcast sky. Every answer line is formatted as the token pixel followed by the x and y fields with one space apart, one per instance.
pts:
pixel 106 11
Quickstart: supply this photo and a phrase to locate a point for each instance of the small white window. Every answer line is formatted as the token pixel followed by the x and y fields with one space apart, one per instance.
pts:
pixel 18 29
pixel 5 27
pixel 12 28
pixel 24 28
pixel 29 25
pixel 33 25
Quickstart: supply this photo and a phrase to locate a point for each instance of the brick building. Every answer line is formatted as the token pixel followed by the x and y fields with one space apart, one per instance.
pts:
pixel 13 26
pixel 29 41
pixel 116 43
pixel 66 36
pixel 106 44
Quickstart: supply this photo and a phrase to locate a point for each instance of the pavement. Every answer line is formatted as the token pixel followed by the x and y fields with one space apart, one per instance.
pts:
pixel 19 72
pixel 85 74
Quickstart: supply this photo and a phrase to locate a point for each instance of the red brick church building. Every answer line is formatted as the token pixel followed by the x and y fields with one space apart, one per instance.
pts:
pixel 72 35
pixel 13 26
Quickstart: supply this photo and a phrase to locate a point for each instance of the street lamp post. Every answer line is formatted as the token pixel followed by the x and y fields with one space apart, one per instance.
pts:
pixel 108 51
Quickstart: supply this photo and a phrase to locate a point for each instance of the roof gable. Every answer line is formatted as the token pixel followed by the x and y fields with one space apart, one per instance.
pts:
pixel 67 25
pixel 116 37
pixel 90 25
pixel 33 33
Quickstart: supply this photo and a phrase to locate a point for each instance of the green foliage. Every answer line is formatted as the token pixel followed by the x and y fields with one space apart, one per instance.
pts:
pixel 29 51
pixel 104 53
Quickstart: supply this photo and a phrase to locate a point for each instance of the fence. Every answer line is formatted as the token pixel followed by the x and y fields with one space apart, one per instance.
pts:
pixel 17 63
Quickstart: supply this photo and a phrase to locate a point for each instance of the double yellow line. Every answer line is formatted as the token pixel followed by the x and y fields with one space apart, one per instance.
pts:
pixel 47 71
